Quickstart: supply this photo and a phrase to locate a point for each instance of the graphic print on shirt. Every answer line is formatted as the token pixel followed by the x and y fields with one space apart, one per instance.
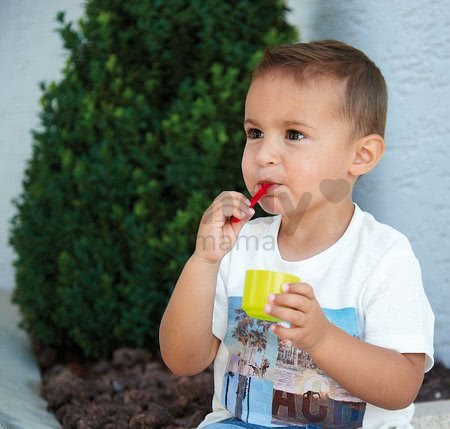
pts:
pixel 269 382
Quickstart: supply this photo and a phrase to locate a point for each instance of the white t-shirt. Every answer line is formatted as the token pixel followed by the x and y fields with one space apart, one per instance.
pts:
pixel 368 283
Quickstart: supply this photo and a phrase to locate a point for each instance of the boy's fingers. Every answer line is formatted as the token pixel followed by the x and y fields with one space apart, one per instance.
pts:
pixel 292 300
pixel 222 209
pixel 300 288
pixel 227 211
pixel 227 196
pixel 234 199
pixel 295 317
pixel 235 205
pixel 290 334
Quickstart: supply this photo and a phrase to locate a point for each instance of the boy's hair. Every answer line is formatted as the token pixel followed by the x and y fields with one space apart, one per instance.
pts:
pixel 365 101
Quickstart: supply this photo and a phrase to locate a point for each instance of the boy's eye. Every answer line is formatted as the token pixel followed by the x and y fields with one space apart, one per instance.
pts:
pixel 295 135
pixel 254 133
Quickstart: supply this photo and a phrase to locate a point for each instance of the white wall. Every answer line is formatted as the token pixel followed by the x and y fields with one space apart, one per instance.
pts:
pixel 410 42
pixel 410 188
pixel 30 51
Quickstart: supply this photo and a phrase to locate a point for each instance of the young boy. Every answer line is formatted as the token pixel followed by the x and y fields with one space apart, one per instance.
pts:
pixel 358 330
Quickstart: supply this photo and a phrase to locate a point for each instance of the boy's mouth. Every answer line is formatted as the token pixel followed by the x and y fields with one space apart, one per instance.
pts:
pixel 270 189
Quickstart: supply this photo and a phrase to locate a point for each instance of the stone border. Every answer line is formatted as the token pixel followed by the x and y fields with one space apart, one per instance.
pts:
pixel 21 406
pixel 434 414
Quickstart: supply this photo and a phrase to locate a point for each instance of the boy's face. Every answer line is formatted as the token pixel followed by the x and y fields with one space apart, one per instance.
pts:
pixel 296 138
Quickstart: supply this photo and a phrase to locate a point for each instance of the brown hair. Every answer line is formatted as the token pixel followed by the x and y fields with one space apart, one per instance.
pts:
pixel 365 101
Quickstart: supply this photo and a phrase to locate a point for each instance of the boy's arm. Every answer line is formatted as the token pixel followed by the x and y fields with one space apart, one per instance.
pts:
pixel 185 336
pixel 380 376
pixel 186 340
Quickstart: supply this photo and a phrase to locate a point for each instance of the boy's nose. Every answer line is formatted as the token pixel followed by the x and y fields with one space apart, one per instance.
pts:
pixel 268 152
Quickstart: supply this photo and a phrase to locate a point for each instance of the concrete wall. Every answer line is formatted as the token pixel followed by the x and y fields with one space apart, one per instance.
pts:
pixel 408 40
pixel 30 51
pixel 410 188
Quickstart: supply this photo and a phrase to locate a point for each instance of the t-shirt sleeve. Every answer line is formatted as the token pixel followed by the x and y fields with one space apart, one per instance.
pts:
pixel 220 313
pixel 398 314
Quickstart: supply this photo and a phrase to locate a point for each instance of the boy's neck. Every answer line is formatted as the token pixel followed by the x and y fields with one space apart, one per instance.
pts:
pixel 314 231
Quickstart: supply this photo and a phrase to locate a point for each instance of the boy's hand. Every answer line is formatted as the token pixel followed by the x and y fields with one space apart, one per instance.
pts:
pixel 298 305
pixel 217 234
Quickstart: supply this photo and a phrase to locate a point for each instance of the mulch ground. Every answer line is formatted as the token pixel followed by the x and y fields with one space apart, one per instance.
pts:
pixel 134 390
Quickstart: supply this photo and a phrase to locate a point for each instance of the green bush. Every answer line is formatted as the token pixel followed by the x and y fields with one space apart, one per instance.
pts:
pixel 141 133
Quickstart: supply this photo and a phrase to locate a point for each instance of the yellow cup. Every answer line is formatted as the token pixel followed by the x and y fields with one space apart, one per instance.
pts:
pixel 259 284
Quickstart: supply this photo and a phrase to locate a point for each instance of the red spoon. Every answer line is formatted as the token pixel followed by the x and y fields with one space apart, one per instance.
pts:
pixel 255 198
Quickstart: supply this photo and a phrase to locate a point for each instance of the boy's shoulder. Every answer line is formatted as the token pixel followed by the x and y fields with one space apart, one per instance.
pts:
pixel 379 234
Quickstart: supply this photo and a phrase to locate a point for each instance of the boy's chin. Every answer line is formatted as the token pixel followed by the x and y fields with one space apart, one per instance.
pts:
pixel 272 210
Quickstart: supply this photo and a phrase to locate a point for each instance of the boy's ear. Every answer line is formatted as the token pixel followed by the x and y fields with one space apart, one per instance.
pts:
pixel 367 154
